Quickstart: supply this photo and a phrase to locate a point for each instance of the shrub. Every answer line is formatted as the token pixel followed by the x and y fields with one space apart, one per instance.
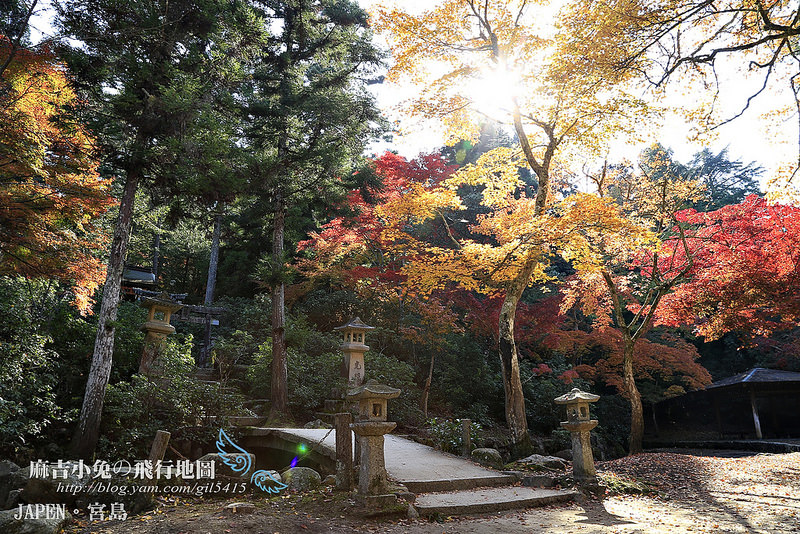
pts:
pixel 29 369
pixel 397 374
pixel 311 377
pixel 448 436
pixel 171 399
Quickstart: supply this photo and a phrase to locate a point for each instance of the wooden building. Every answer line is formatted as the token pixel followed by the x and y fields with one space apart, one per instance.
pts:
pixel 759 403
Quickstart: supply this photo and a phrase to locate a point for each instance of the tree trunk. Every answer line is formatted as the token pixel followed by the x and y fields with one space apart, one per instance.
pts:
pixel 279 391
pixel 423 401
pixel 509 361
pixel 156 252
pixel 88 430
pixel 213 262
pixel 632 392
pixel 211 283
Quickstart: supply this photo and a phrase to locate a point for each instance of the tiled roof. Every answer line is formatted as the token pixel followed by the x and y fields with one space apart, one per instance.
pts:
pixel 757 375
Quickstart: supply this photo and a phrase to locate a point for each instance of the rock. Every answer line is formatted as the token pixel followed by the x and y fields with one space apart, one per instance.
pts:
pixel 551 462
pixel 9 525
pixel 329 480
pixel 240 508
pixel 564 454
pixel 46 490
pixel 301 478
pixel 7 471
pixel 221 469
pixel 488 457
pixel 317 423
pixel 412 512
pixel 13 499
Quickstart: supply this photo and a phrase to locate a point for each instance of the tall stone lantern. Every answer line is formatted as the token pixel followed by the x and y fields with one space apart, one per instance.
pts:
pixel 354 348
pixel 157 328
pixel 579 425
pixel 372 400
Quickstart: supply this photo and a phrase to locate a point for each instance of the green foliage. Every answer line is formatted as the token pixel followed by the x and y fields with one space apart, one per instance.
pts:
pixel 448 434
pixel 171 399
pixel 397 374
pixel 311 377
pixel 466 377
pixel 128 340
pixel 232 350
pixel 542 388
pixel 29 369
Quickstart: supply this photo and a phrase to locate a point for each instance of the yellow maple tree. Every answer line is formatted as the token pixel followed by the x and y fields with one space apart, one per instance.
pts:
pixel 512 62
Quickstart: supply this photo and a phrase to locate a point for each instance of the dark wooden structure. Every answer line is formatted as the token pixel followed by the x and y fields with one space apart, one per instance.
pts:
pixel 759 403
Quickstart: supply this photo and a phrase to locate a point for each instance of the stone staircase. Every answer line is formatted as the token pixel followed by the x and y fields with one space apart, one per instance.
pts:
pixel 487 500
pixel 450 485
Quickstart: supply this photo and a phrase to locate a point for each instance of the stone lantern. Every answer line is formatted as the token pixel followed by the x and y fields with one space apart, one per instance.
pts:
pixel 157 328
pixel 354 348
pixel 372 400
pixel 579 425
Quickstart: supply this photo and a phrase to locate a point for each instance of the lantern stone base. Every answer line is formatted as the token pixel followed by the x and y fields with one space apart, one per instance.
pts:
pixel 372 465
pixel 582 460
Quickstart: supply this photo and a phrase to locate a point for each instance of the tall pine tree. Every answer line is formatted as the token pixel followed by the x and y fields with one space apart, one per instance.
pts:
pixel 309 117
pixel 144 66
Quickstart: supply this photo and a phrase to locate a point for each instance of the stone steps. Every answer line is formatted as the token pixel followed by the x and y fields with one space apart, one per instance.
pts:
pixel 487 500
pixel 455 483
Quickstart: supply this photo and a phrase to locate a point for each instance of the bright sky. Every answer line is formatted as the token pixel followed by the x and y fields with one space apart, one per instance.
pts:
pixel 746 136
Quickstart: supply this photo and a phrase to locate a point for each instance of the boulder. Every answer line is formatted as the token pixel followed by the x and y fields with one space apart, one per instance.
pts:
pixel 550 462
pixel 488 457
pixel 13 499
pixel 565 454
pixel 7 471
pixel 46 490
pixel 301 478
pixel 42 525
pixel 221 469
pixel 240 508
pixel 316 423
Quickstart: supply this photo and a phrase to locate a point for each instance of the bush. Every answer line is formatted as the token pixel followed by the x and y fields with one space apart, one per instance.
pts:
pixel 394 373
pixel 171 399
pixel 447 434
pixel 541 385
pixel 311 377
pixel 29 369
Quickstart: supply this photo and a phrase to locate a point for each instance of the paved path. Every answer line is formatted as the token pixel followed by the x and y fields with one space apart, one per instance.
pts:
pixel 416 466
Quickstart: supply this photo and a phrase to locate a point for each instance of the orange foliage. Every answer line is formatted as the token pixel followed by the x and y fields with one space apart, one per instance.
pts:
pixel 50 191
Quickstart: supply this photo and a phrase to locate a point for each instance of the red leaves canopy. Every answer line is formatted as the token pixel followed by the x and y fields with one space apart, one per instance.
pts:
pixel 745 273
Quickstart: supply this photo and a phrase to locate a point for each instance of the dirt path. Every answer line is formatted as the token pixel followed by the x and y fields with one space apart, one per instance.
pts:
pixel 755 494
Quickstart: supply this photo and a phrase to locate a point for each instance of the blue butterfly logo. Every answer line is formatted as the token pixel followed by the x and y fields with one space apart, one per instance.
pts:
pixel 240 461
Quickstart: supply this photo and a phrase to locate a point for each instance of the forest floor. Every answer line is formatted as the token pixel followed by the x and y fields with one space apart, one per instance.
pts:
pixel 683 492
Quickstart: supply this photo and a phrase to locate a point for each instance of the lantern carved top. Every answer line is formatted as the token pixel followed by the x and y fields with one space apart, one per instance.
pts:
pixel 160 312
pixel 372 399
pixel 577 403
pixel 354 331
pixel 373 390
pixel 576 396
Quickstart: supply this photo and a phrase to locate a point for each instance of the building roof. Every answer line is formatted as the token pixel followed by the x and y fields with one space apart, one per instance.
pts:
pixel 758 375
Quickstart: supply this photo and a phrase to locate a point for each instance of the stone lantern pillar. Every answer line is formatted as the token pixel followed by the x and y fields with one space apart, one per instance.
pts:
pixel 372 400
pixel 579 425
pixel 157 328
pixel 354 348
